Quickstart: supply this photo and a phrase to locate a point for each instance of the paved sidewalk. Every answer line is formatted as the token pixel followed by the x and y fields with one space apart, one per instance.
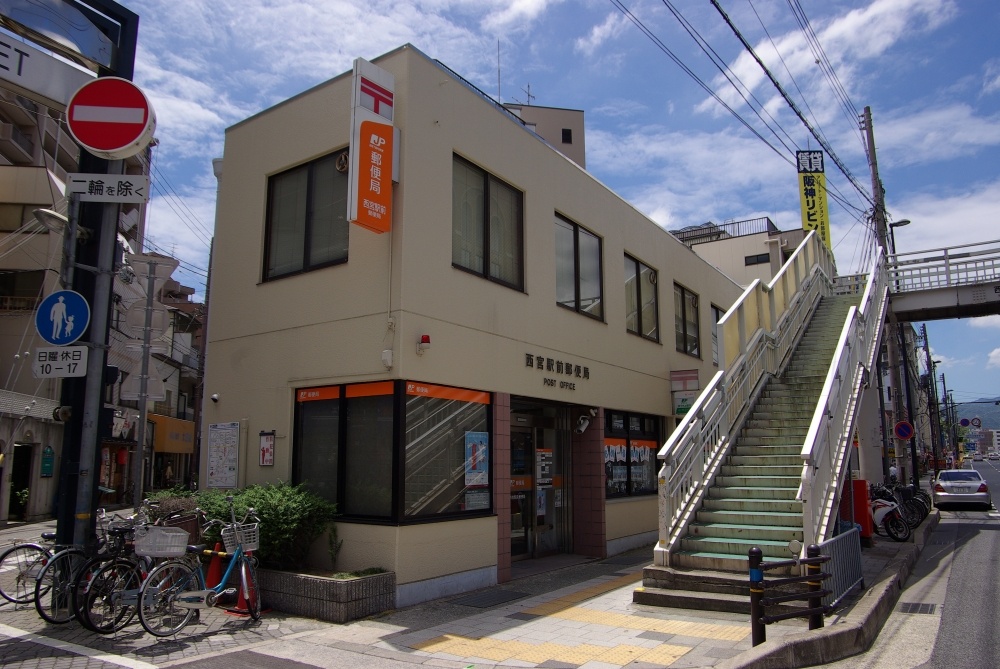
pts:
pixel 577 615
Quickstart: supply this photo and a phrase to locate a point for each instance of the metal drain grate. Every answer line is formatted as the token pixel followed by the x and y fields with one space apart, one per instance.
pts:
pixel 913 607
pixel 487 599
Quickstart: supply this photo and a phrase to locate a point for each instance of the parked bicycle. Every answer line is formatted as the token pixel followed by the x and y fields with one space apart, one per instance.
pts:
pixel 20 565
pixel 54 585
pixel 175 590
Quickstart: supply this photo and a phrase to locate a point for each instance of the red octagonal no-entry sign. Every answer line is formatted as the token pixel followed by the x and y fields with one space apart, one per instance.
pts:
pixel 111 118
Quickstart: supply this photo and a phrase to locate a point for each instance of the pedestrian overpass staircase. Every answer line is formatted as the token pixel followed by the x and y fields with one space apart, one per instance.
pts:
pixel 760 458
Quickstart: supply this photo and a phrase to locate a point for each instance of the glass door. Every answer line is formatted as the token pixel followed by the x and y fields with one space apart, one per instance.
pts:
pixel 539 493
pixel 522 496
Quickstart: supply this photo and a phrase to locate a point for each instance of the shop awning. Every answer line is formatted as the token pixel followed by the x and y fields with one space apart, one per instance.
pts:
pixel 172 435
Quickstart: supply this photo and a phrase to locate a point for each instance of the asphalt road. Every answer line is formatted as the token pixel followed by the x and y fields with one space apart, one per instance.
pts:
pixel 948 614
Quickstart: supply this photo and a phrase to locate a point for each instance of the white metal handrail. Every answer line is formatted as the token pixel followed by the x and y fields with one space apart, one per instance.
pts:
pixel 757 335
pixel 830 433
pixel 961 265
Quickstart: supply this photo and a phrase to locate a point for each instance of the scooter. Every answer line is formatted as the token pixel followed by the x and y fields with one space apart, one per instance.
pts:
pixel 888 515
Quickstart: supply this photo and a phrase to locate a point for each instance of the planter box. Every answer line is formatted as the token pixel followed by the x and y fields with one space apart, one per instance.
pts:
pixel 328 599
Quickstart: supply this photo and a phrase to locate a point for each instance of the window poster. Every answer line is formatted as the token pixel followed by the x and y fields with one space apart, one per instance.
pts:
pixel 477 459
pixel 223 454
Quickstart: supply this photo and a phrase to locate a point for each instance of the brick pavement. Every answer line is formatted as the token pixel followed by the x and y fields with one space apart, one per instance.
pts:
pixel 581 616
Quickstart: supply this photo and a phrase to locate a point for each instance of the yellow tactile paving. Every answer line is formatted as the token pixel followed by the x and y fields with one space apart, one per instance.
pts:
pixel 499 651
pixel 565 608
pixel 703 630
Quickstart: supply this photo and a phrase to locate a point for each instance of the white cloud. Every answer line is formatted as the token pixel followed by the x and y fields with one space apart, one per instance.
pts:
pixel 934 134
pixel 989 322
pixel 609 29
pixel 991 76
pixel 948 218
pixel 993 360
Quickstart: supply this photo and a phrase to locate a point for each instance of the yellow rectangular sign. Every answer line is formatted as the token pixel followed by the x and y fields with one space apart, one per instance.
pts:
pixel 812 194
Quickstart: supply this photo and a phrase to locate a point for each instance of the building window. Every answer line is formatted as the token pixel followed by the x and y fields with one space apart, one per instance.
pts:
pixel 346 449
pixel 567 135
pixel 686 320
pixel 344 446
pixel 759 259
pixel 579 275
pixel 307 225
pixel 641 312
pixel 447 452
pixel 717 314
pixel 487 225
pixel 630 445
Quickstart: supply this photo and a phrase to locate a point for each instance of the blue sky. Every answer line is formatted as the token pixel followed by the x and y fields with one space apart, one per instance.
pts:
pixel 929 70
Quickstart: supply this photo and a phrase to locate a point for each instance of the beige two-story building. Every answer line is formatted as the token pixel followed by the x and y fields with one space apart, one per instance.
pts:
pixel 485 379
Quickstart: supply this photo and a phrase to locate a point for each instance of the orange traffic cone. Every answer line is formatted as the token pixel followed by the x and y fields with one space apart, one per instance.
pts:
pixel 214 569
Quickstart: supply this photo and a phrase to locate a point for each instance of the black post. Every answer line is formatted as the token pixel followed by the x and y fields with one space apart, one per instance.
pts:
pixel 815 585
pixel 909 412
pixel 758 632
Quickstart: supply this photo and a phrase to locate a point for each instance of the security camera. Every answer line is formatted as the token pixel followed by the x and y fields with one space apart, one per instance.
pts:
pixel 582 423
pixel 215 397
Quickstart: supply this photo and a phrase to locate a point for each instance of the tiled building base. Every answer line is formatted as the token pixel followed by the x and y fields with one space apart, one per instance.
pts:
pixel 326 598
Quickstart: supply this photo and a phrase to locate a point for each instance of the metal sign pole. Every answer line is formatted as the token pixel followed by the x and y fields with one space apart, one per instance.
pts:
pixel 140 434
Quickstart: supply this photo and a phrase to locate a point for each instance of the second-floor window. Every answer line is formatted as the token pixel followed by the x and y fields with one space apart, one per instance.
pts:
pixel 487 234
pixel 640 299
pixel 307 225
pixel 579 275
pixel 686 320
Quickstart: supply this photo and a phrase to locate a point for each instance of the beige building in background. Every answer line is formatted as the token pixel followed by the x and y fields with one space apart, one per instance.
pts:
pixel 488 381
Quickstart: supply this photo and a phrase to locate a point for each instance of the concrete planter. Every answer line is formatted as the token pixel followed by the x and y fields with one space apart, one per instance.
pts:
pixel 330 599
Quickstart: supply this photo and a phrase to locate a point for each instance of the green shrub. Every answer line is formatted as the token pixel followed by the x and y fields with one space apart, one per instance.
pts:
pixel 291 517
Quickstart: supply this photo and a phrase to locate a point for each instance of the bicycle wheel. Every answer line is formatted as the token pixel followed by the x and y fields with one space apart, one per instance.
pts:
pixel 19 566
pixel 111 596
pixel 251 591
pixel 911 513
pixel 159 611
pixel 53 589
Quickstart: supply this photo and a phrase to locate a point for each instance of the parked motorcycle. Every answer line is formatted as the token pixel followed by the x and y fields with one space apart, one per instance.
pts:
pixel 888 516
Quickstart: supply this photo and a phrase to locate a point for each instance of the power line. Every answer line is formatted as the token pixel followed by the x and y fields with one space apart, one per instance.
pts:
pixel 791 103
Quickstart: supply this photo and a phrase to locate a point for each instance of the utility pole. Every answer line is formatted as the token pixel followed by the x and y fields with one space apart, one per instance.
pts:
pixel 891 336
pixel 932 411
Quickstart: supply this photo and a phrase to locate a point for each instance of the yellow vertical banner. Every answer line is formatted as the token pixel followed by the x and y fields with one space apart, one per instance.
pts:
pixel 812 194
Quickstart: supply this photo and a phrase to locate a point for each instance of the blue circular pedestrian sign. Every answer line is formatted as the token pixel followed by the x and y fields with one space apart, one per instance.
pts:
pixel 62 317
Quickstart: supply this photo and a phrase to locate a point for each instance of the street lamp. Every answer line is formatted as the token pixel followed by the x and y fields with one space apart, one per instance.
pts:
pixel 892 234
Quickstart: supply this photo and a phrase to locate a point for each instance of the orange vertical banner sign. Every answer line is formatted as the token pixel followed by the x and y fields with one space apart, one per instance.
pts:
pixel 374 180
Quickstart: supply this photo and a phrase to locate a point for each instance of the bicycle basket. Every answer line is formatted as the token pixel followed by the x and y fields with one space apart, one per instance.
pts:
pixel 189 522
pixel 248 535
pixel 160 541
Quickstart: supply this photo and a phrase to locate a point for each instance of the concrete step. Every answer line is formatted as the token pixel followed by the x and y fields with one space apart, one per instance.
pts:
pixel 746 492
pixel 761 470
pixel 767 450
pixel 790 431
pixel 766 482
pixel 767 518
pixel 790 460
pixel 732 551
pixel 739 531
pixel 754 505
pixel 790 440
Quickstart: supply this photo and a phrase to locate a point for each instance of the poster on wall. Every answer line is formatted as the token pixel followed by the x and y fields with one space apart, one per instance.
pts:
pixel 267 449
pixel 223 454
pixel 477 459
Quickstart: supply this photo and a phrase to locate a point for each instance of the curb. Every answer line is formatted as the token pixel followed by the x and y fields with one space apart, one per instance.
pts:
pixel 854 632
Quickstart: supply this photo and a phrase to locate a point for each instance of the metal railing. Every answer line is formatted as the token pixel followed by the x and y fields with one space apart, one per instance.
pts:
pixel 845 566
pixel 961 265
pixel 757 336
pixel 829 437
